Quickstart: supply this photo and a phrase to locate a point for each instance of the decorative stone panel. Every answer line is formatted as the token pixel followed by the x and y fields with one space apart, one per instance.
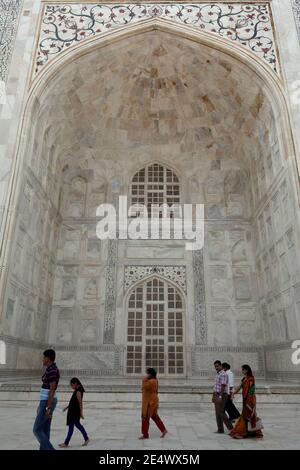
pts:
pixel 296 9
pixel 9 14
pixel 176 274
pixel 110 292
pixel 249 25
pixel 199 298
pixel 90 360
pixel 203 357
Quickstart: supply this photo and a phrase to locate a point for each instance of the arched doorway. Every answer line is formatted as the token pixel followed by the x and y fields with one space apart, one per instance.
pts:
pixel 155 328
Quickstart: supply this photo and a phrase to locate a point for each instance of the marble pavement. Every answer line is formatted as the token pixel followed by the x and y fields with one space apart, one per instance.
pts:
pixel 118 429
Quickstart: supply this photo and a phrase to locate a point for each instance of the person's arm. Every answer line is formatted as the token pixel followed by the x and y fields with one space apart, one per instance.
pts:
pixel 50 399
pixel 79 398
pixel 237 389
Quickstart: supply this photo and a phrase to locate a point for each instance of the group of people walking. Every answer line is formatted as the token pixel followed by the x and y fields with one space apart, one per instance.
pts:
pixel 239 425
pixel 246 424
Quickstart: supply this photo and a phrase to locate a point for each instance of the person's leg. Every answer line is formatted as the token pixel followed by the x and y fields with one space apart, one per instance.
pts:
pixel 48 422
pixel 227 407
pixel 222 413
pixel 40 425
pixel 218 410
pixel 82 430
pixel 145 427
pixel 37 426
pixel 159 423
pixel 70 434
pixel 233 412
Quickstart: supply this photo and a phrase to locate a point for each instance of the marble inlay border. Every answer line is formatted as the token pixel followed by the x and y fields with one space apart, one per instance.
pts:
pixel 177 274
pixel 90 372
pixel 227 349
pixel 9 14
pixel 88 348
pixel 296 10
pixel 199 298
pixel 63 26
pixel 110 292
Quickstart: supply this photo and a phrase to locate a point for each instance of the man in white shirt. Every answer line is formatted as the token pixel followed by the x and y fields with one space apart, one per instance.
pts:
pixel 230 408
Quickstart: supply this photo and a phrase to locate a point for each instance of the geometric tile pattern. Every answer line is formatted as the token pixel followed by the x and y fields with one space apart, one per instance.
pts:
pixel 250 25
pixel 9 13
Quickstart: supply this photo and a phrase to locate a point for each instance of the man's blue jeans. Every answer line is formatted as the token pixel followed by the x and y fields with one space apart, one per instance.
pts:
pixel 42 425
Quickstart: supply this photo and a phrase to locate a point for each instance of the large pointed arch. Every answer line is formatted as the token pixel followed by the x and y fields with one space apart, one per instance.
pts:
pixel 270 83
pixel 272 86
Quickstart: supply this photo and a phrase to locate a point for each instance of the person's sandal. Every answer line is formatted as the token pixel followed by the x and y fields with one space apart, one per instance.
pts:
pixel 63 445
pixel 164 433
pixel 143 437
pixel 85 443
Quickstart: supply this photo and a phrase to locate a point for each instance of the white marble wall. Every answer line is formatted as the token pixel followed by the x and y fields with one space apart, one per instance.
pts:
pixel 244 177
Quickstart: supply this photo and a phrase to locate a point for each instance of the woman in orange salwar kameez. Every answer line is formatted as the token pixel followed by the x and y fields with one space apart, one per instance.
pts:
pixel 248 415
pixel 150 404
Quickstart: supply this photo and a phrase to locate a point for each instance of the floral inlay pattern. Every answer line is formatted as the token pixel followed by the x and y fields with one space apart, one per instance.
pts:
pixel 177 274
pixel 9 14
pixel 249 25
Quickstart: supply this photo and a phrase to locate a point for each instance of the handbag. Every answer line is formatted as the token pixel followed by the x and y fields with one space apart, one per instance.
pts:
pixel 258 427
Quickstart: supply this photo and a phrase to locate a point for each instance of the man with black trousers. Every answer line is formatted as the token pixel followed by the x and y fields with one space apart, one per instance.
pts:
pixel 230 408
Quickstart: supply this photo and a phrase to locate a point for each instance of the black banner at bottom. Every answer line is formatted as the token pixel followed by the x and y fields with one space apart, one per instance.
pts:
pixel 126 459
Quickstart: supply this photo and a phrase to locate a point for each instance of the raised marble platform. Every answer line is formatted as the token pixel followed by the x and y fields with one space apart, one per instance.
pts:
pixel 125 393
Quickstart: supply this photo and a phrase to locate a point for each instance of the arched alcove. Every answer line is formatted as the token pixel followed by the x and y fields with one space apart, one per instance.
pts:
pixel 168 94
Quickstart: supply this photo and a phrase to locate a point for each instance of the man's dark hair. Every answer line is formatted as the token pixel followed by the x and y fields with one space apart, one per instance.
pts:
pixel 151 372
pixel 226 366
pixel 218 362
pixel 50 353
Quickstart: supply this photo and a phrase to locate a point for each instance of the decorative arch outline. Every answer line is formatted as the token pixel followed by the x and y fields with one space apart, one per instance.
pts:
pixel 63 26
pixel 273 89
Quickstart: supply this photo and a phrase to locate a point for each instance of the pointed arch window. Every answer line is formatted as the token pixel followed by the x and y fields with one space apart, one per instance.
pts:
pixel 155 329
pixel 155 185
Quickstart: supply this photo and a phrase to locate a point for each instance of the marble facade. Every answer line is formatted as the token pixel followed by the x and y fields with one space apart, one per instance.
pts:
pixel 108 112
